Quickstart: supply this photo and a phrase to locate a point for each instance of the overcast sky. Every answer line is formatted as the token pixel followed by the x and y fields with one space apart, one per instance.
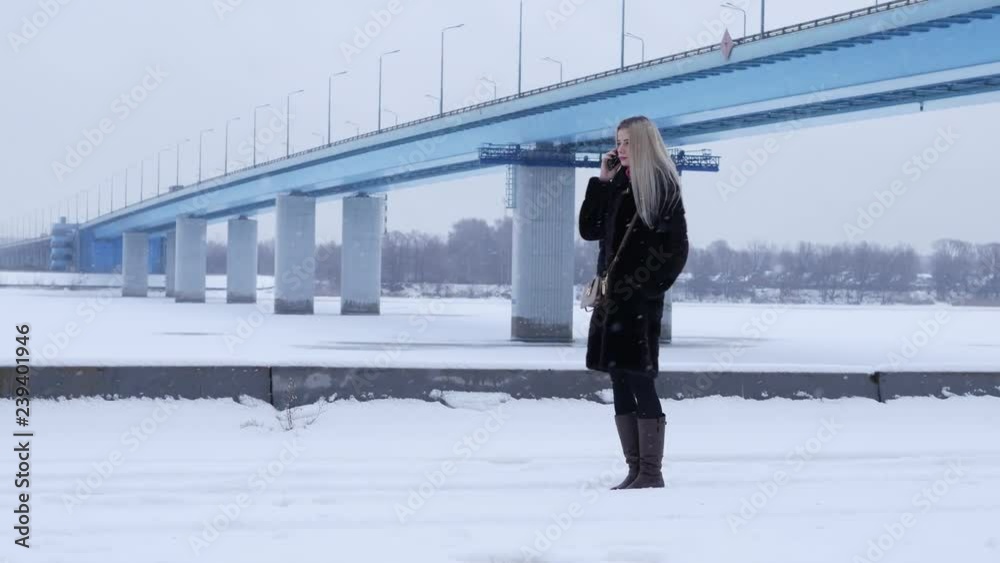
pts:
pixel 214 60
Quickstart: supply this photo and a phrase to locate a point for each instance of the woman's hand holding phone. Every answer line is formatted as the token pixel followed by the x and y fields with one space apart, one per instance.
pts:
pixel 609 165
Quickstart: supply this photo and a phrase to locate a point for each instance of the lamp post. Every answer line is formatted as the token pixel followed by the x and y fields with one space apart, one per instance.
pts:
pixel 201 142
pixel 520 44
pixel 380 86
pixel 642 44
pixel 177 176
pixel 394 114
pixel 623 37
pixel 225 158
pixel 551 60
pixel 255 109
pixel 483 78
pixel 732 6
pixel 288 121
pixel 762 17
pixel 441 94
pixel 159 160
pixel 329 105
pixel 357 128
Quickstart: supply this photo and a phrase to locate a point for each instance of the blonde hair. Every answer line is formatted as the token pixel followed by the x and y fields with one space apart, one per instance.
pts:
pixel 655 180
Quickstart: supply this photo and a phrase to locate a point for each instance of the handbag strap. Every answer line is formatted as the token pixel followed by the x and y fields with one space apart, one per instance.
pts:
pixel 607 272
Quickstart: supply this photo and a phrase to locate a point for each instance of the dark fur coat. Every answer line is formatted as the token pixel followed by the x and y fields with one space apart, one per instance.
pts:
pixel 625 328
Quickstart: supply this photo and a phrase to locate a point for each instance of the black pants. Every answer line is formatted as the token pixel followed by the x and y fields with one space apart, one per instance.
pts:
pixel 635 392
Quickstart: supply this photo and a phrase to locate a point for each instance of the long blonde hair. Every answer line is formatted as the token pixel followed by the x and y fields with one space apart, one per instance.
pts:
pixel 655 181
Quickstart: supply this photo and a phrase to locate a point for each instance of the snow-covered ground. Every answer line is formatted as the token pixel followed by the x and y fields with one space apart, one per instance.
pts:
pixel 493 480
pixel 99 327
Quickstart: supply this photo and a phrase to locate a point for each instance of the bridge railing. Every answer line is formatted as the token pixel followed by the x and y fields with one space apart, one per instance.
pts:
pixel 695 160
pixel 458 112
pixel 652 62
pixel 803 26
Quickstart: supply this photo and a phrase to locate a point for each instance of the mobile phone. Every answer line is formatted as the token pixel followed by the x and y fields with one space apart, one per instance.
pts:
pixel 613 161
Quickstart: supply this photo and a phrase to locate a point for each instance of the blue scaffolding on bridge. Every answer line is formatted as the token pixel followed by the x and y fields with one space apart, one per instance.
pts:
pixel 497 154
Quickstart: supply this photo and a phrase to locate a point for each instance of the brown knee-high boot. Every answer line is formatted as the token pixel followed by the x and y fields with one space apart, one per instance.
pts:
pixel 628 434
pixel 652 432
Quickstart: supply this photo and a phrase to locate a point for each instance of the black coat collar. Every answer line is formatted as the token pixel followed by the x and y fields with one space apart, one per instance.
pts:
pixel 623 188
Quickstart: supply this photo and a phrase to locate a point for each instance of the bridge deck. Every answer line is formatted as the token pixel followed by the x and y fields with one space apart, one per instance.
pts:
pixel 901 56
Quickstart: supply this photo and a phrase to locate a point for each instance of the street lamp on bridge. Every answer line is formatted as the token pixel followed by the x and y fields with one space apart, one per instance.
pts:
pixel 329 105
pixel 394 115
pixel 159 161
pixel 642 45
pixel 288 121
pixel 177 176
pixel 732 6
pixel 441 96
pixel 380 86
pixel 551 60
pixel 485 79
pixel 225 158
pixel 255 109
pixel 201 140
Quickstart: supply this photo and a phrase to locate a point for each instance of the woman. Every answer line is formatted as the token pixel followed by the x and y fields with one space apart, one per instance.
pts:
pixel 625 327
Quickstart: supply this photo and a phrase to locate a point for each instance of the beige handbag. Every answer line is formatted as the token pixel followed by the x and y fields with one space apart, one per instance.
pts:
pixel 595 291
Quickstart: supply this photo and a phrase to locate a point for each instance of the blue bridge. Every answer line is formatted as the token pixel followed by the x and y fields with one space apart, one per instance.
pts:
pixel 900 56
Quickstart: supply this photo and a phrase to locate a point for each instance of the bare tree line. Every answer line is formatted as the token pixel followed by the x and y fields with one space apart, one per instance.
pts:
pixel 476 252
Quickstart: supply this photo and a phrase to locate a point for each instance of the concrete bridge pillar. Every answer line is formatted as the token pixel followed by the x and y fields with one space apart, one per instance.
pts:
pixel 190 260
pixel 135 264
pixel 156 255
pixel 295 255
pixel 241 261
pixel 667 323
pixel 361 255
pixel 542 269
pixel 169 261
